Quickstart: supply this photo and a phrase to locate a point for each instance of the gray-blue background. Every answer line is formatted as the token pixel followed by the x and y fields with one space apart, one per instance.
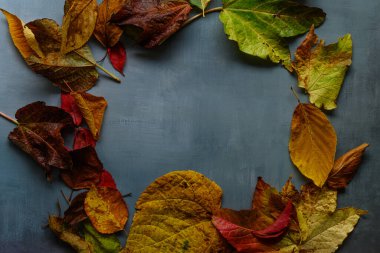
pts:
pixel 195 103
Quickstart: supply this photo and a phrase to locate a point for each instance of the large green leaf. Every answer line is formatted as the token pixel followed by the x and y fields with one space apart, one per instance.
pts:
pixel 260 26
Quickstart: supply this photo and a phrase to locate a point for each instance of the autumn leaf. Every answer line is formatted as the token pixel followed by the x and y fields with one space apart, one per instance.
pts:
pixel 86 170
pixel 174 214
pixel 92 108
pixel 261 26
pixel 345 167
pixel 83 138
pixel 118 57
pixel 39 134
pixel 75 213
pixel 68 104
pixel 106 209
pixel 100 243
pixel 158 19
pixel 312 143
pixel 321 69
pixel 201 4
pixel 106 180
pixel 107 33
pixel 78 24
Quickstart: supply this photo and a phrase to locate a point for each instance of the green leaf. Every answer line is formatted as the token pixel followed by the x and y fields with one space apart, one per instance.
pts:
pixel 321 69
pixel 100 243
pixel 260 26
pixel 201 4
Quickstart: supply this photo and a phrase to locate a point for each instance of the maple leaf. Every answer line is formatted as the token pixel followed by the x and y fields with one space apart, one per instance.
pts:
pixel 312 143
pixel 106 209
pixel 174 213
pixel 321 69
pixel 260 26
pixel 86 170
pixel 39 134
pixel 78 24
pixel 100 243
pixel 158 19
pixel 75 213
pixel 83 138
pixel 345 167
pixel 68 104
pixel 118 57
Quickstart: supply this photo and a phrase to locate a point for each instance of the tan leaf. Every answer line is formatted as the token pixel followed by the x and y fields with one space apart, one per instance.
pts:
pixel 345 167
pixel 174 215
pixel 106 209
pixel 92 108
pixel 78 23
pixel 312 143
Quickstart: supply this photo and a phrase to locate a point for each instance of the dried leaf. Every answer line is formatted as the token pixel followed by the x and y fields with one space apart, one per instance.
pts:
pixel 260 26
pixel 86 171
pixel 75 213
pixel 321 69
pixel 100 243
pixel 345 167
pixel 106 180
pixel 92 108
pixel 78 24
pixel 158 19
pixel 312 143
pixel 118 57
pixel 39 135
pixel 68 104
pixel 106 209
pixel 83 138
pixel 107 33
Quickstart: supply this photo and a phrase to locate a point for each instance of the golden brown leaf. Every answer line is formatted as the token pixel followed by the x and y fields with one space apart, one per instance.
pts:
pixel 345 167
pixel 312 143
pixel 92 108
pixel 106 209
pixel 174 215
pixel 78 23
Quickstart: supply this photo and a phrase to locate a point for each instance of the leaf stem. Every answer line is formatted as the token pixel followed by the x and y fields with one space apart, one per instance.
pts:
pixel 295 94
pixel 200 15
pixel 8 118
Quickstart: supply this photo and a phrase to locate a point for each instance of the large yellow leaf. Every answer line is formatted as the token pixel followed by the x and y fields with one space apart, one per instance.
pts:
pixel 174 215
pixel 312 143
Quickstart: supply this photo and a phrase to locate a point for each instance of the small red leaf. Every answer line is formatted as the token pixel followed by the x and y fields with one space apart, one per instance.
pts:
pixel 83 138
pixel 68 104
pixel 106 180
pixel 118 57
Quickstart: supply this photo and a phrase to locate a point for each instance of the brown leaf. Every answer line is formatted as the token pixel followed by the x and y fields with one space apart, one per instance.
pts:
pixel 345 167
pixel 312 143
pixel 92 108
pixel 106 209
pixel 39 135
pixel 86 171
pixel 78 23
pixel 75 213
pixel 107 33
pixel 83 138
pixel 158 19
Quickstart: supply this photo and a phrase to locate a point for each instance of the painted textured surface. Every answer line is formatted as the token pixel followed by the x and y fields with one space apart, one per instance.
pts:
pixel 197 103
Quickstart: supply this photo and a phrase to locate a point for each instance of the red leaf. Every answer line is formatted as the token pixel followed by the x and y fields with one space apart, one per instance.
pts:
pixel 83 138
pixel 106 180
pixel 118 57
pixel 68 104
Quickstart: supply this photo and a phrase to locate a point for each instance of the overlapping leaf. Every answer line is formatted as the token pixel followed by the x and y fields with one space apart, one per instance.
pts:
pixel 68 104
pixel 100 243
pixel 260 26
pixel 75 213
pixel 321 69
pixel 83 138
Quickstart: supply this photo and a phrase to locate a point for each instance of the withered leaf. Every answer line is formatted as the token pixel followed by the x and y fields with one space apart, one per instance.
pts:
pixel 86 171
pixel 321 69
pixel 174 213
pixel 118 57
pixel 158 19
pixel 312 143
pixel 39 135
pixel 75 213
pixel 345 167
pixel 78 24
pixel 106 180
pixel 68 104
pixel 107 33
pixel 83 138
pixel 106 209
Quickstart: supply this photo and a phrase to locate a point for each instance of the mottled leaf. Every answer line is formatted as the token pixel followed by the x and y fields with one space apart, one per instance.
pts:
pixel 100 243
pixel 158 19
pixel 83 138
pixel 39 135
pixel 106 209
pixel 118 57
pixel 260 26
pixel 75 213
pixel 312 143
pixel 321 69
pixel 174 214
pixel 68 104
pixel 345 167
pixel 78 24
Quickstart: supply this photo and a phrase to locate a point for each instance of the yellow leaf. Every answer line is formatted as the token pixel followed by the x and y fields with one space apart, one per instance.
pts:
pixel 92 108
pixel 312 143
pixel 174 215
